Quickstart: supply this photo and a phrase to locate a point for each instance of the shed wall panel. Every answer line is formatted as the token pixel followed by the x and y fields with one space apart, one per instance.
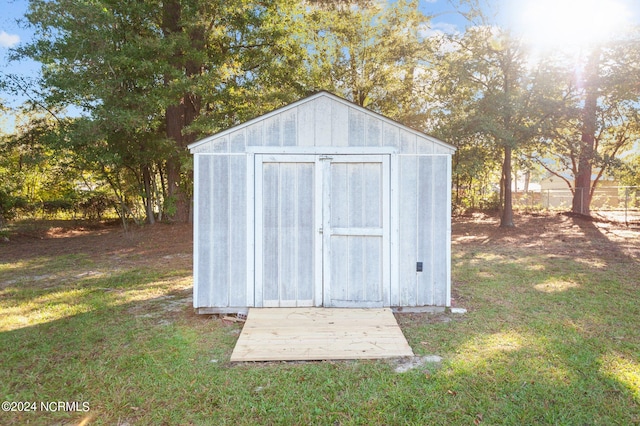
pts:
pixel 340 124
pixel 306 124
pixel 390 135
pixel 272 133
pixel 237 253
pixel 425 231
pixel 220 232
pixel 408 142
pixel 323 123
pixel 442 229
pixel 424 146
pixel 254 134
pixel 203 242
pixel 237 141
pixel 357 132
pixel 374 131
pixel 289 128
pixel 220 145
pixel 408 221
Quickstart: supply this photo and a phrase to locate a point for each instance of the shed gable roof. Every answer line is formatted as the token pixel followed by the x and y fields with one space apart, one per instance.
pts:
pixel 322 119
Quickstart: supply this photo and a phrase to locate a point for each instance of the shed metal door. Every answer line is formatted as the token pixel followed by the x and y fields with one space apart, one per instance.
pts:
pixel 322 230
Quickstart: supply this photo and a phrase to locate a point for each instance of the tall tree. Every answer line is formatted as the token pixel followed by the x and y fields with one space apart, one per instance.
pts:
pixel 374 54
pixel 600 118
pixel 145 70
pixel 487 91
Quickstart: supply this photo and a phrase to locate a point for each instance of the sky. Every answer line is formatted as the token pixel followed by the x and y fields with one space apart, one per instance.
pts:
pixel 540 19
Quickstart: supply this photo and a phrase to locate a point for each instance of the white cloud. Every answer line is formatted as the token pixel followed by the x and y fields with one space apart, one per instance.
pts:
pixel 8 40
pixel 437 28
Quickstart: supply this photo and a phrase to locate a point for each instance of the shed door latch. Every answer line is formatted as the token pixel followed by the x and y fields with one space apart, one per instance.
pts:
pixel 325 157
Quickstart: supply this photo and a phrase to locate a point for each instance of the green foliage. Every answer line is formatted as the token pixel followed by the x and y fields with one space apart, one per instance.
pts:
pixel 151 77
pixel 608 80
pixel 373 54
pixel 628 171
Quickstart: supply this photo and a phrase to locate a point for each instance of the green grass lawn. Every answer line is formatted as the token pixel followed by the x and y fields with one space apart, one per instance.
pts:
pixel 551 337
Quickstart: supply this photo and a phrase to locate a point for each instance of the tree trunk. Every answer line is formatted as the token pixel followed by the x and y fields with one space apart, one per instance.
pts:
pixel 148 194
pixel 180 115
pixel 176 203
pixel 582 194
pixel 506 221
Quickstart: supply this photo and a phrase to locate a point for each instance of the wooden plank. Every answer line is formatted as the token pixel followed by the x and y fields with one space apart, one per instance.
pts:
pixel 288 334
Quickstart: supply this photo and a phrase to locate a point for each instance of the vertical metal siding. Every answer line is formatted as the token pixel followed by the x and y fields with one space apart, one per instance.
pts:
pixel 220 267
pixel 306 124
pixel 237 251
pixel 408 228
pixel 426 230
pixel 340 118
pixel 357 130
pixel 221 243
pixel 237 141
pixel 323 121
pixel 272 134
pixel 289 128
pixel 374 131
pixel 442 228
pixel 254 134
pixel 202 237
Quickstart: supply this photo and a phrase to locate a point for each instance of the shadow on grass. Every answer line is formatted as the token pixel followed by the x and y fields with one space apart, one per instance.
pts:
pixel 547 340
pixel 550 337
pixel 121 358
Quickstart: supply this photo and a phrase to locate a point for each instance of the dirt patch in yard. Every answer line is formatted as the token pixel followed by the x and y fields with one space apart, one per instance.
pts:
pixel 171 245
pixel 559 234
pixel 160 245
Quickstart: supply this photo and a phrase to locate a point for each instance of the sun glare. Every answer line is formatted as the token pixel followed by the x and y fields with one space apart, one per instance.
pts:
pixel 570 24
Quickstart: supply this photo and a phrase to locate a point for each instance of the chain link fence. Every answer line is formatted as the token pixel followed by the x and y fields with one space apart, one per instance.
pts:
pixel 614 203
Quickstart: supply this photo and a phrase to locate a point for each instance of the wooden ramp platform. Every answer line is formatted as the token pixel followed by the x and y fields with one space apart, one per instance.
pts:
pixel 290 334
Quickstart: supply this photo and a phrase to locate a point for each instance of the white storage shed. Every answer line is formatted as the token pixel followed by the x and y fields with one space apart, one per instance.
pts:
pixel 321 203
